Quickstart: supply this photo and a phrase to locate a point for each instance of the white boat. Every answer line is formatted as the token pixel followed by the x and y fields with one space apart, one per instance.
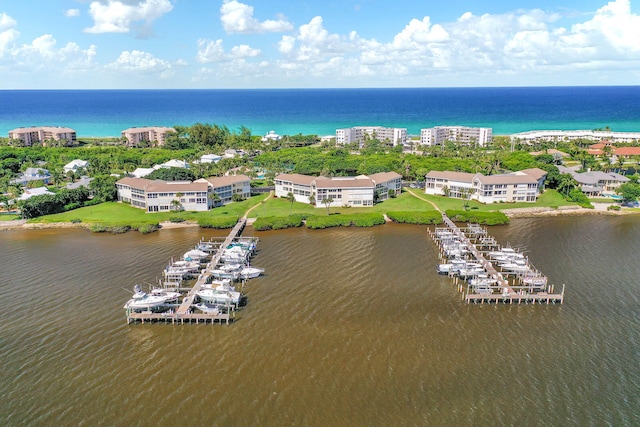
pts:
pixel 195 255
pixel 225 274
pixel 219 296
pixel 148 301
pixel 207 308
pixel 251 272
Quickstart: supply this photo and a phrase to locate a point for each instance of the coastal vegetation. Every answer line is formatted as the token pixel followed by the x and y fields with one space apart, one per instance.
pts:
pixel 302 154
pixel 404 217
pixel 484 218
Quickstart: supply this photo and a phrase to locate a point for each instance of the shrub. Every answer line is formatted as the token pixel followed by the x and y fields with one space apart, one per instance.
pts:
pixel 486 218
pixel 98 228
pixel 277 223
pixel 355 220
pixel 429 217
pixel 176 219
pixel 148 228
pixel 76 221
pixel 219 223
pixel 613 208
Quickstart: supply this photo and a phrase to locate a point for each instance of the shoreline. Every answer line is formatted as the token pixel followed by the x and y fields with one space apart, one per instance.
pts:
pixel 534 212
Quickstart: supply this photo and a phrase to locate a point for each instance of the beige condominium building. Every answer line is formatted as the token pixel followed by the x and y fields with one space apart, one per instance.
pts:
pixel 152 134
pixel 521 186
pixel 164 196
pixel 41 134
pixel 357 191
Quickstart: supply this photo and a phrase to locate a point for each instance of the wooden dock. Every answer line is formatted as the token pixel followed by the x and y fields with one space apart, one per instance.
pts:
pixel 183 313
pixel 507 290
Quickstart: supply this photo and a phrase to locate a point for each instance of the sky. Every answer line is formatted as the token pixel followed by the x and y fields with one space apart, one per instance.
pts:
pixel 217 44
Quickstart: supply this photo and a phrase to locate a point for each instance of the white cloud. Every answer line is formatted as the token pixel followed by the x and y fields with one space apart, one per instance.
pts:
pixel 8 34
pixel 244 51
pixel 238 17
pixel 138 61
pixel 210 51
pixel 43 53
pixel 117 16
pixel 70 13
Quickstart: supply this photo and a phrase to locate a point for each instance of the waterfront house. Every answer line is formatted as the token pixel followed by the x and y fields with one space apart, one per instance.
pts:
pixel 359 134
pixel 358 191
pixel 40 134
pixel 521 186
pixel 271 136
pixel 32 174
pixel 75 166
pixel 596 183
pixel 465 135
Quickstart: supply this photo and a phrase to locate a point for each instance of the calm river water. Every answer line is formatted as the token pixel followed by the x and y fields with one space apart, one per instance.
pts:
pixel 348 327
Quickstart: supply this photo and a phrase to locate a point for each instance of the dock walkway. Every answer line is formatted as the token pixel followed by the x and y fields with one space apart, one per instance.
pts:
pixel 506 291
pixel 183 311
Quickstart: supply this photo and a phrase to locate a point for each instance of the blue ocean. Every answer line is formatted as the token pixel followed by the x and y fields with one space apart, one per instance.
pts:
pixel 104 113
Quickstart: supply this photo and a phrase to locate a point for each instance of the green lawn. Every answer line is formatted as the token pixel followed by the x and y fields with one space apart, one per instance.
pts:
pixel 119 214
pixel 550 198
pixel 9 217
pixel 281 207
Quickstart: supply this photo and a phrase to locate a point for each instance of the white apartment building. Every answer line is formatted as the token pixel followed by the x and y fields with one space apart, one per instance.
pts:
pixel 521 186
pixel 41 134
pixel 164 196
pixel 395 136
pixel 570 135
pixel 459 134
pixel 359 191
pixel 134 136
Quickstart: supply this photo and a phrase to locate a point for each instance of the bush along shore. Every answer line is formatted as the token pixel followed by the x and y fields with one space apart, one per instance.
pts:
pixel 484 218
pixel 410 217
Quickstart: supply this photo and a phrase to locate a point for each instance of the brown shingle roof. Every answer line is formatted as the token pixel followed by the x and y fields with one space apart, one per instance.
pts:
pixel 223 181
pixel 453 176
pixel 384 177
pixel 510 178
pixel 176 186
pixel 135 182
pixel 535 173
pixel 322 182
pixel 627 151
pixel 296 178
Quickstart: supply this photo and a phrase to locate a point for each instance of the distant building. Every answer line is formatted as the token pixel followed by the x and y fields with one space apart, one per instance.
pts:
pixel 271 136
pixel 210 158
pixel 84 181
pixel 460 134
pixel 41 134
pixel 226 186
pixel 358 134
pixel 359 191
pixel 570 135
pixel 75 165
pixel 31 192
pixel 32 174
pixel 173 163
pixel 521 186
pixel 134 136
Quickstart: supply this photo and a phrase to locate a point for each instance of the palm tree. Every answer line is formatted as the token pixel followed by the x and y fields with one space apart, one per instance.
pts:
pixel 566 183
pixel 215 198
pixel 327 203
pixel 290 198
pixel 176 203
pixel 312 199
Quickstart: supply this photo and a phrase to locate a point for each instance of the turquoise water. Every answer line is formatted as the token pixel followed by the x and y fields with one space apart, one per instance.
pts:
pixel 322 111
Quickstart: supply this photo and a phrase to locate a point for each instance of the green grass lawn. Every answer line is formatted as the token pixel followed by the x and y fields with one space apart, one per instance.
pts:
pixel 9 217
pixel 281 207
pixel 550 198
pixel 119 214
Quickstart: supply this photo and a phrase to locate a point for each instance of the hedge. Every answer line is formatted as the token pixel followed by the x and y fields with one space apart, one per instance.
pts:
pixel 354 220
pixel 277 223
pixel 219 222
pixel 485 218
pixel 429 217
